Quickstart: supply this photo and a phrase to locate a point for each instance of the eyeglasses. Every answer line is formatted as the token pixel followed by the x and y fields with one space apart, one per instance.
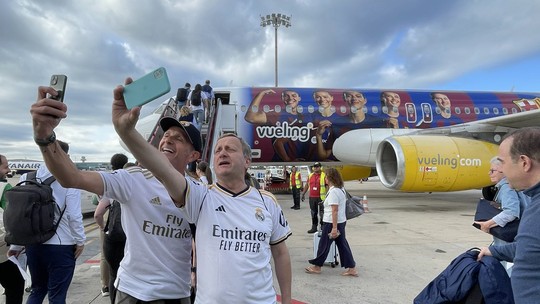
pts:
pixel 493 170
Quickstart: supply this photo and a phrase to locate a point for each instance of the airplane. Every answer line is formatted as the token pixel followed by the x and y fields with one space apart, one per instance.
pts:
pixel 22 166
pixel 414 141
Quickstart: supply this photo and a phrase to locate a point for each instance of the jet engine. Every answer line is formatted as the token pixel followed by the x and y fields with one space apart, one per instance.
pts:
pixel 420 163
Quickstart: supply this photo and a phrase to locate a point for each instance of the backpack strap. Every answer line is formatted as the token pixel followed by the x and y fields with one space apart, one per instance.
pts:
pixel 49 181
pixel 33 177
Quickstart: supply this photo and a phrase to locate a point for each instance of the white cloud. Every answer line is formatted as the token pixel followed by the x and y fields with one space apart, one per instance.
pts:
pixel 412 44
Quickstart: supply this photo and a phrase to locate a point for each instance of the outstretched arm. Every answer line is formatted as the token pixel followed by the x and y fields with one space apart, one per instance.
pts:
pixel 124 121
pixel 255 114
pixel 46 115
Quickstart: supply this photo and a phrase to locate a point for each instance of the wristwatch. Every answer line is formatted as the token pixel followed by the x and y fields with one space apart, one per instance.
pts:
pixel 46 141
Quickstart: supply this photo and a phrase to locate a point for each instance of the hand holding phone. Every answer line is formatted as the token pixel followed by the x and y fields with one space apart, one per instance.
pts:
pixel 147 88
pixel 58 83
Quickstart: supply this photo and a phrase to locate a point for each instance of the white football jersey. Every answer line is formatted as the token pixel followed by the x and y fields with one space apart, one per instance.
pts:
pixel 157 260
pixel 234 234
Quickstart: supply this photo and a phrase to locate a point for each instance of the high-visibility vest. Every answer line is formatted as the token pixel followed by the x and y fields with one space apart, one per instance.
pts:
pixel 322 187
pixel 296 178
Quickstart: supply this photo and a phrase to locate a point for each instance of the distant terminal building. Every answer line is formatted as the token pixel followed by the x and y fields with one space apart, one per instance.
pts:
pixel 94 166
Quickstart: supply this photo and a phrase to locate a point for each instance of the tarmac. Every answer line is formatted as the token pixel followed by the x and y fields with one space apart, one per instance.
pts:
pixel 400 246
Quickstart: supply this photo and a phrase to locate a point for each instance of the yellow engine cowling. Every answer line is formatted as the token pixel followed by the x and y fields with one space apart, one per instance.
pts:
pixel 430 163
pixel 350 172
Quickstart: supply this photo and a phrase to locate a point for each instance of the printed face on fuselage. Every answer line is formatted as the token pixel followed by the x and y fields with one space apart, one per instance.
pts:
pixel 323 99
pixel 354 99
pixel 291 99
pixel 442 101
pixel 391 99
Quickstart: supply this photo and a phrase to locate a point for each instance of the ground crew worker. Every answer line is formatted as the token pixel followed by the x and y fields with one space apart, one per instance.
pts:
pixel 317 193
pixel 295 184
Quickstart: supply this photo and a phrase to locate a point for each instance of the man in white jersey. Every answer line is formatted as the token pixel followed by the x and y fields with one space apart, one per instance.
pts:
pixel 239 229
pixel 157 261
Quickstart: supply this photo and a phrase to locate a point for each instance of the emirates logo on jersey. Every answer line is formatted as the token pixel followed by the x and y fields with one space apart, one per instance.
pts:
pixel 259 214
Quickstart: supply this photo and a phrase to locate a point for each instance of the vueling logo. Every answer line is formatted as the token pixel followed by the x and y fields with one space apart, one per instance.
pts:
pixel 285 130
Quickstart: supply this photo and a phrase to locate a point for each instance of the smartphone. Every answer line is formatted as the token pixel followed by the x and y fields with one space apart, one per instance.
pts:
pixel 147 88
pixel 58 82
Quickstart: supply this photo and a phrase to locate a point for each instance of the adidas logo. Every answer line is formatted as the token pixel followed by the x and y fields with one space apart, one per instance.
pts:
pixel 221 208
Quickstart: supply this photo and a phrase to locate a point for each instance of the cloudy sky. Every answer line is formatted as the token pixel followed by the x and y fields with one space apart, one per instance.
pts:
pixel 413 44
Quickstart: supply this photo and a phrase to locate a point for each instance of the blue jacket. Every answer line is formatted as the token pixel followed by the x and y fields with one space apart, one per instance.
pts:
pixel 455 282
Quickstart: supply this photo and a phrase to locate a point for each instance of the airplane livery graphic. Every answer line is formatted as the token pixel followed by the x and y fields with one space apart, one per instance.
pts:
pixel 414 140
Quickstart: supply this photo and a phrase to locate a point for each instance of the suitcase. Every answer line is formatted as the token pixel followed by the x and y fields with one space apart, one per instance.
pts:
pixel 332 257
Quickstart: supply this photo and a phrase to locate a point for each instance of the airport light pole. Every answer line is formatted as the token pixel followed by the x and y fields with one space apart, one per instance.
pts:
pixel 276 20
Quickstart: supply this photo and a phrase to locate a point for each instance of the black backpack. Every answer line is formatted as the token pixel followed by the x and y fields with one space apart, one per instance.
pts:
pixel 113 229
pixel 196 98
pixel 31 215
pixel 181 95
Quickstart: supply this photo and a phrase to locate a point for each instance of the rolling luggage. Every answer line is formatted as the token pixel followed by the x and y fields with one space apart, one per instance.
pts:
pixel 332 257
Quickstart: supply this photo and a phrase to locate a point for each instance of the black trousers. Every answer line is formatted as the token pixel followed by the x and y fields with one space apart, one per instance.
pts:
pixel 114 253
pixel 296 197
pixel 317 211
pixel 12 281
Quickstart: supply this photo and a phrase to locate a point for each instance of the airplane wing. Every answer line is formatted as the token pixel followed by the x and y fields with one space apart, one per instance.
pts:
pixel 518 120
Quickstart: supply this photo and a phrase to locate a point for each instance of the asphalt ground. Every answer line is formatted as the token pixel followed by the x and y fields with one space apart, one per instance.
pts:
pixel 400 246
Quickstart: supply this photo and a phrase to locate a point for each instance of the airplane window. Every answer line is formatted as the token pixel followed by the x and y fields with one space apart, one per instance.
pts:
pixel 476 110
pixel 288 109
pixel 311 109
pixel 447 111
pixel 266 108
pixel 333 109
pixel 374 109
pixel 254 109
pixel 364 109
pixel 437 110
pixel 343 109
pixel 467 110
pixel 395 110
pixel 486 110
pixel 354 110
pixel 300 109
pixel 495 111
pixel 505 111
pixel 385 109
pixel 243 108
pixel 278 109
pixel 457 110
pixel 514 110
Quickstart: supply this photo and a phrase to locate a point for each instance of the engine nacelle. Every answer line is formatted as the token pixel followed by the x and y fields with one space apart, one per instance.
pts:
pixel 421 163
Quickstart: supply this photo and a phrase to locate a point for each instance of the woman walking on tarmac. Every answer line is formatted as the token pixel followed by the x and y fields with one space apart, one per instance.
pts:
pixel 334 222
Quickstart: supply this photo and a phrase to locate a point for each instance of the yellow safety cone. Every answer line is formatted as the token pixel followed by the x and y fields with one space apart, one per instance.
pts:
pixel 365 204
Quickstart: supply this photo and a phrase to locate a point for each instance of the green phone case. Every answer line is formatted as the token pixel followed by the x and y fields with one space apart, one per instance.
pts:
pixel 147 88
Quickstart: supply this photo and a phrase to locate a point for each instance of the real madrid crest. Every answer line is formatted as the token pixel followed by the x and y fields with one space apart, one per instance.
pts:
pixel 259 214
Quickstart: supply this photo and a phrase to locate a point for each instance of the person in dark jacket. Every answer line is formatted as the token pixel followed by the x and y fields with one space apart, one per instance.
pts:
pixel 463 273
